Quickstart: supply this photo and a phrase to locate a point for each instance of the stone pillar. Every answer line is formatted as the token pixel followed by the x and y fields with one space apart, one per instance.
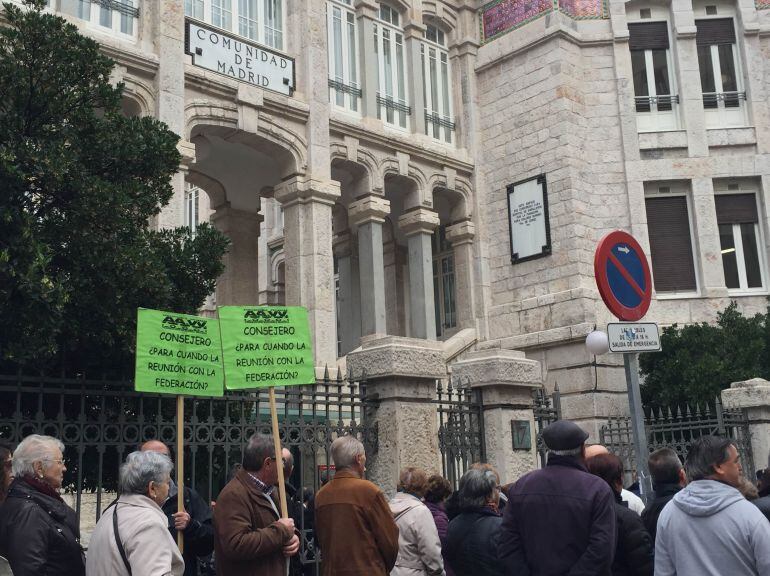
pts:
pixel 368 214
pixel 754 397
pixel 418 226
pixel 366 11
pixel 400 375
pixel 238 284
pixel 309 261
pixel 349 295
pixel 414 33
pixel 706 235
pixel 461 236
pixel 506 379
pixel 169 84
pixel 691 92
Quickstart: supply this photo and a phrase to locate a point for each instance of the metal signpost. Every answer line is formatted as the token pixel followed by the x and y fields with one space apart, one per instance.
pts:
pixel 624 282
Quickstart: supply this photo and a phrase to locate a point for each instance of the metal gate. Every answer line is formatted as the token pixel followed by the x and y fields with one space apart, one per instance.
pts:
pixel 676 428
pixel 461 428
pixel 546 410
pixel 101 421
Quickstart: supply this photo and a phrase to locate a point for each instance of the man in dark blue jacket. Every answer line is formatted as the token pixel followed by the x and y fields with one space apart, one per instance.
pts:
pixel 559 520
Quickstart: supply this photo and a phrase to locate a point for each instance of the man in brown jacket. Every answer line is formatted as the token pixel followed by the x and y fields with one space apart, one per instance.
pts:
pixel 250 537
pixel 354 525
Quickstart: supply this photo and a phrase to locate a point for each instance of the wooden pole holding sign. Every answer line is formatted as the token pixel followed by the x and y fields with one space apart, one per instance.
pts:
pixel 180 466
pixel 278 454
pixel 192 345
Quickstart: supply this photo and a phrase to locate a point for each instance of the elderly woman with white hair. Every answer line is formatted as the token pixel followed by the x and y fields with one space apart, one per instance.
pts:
pixel 132 537
pixel 39 533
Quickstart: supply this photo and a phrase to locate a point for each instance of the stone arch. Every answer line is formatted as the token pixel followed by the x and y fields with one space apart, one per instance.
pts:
pixel 140 94
pixel 459 193
pixel 211 186
pixel 339 152
pixel 277 262
pixel 419 194
pixel 437 13
pixel 199 112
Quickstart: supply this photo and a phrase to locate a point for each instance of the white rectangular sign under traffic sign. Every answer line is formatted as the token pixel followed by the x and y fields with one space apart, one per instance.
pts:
pixel 633 337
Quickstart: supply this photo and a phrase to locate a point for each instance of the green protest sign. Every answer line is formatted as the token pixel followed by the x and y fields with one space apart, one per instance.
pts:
pixel 266 346
pixel 178 354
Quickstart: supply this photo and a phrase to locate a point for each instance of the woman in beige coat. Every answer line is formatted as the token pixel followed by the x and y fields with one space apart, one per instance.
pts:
pixel 419 547
pixel 142 527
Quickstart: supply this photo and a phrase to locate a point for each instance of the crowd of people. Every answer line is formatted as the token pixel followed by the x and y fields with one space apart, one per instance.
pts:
pixel 573 517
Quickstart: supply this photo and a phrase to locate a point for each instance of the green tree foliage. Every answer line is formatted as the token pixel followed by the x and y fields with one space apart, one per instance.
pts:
pixel 698 361
pixel 79 183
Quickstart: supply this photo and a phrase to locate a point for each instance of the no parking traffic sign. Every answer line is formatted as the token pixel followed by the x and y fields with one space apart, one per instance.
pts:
pixel 623 276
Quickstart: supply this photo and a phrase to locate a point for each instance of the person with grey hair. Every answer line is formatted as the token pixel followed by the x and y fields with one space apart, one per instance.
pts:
pixel 472 539
pixel 709 528
pixel 250 537
pixel 561 504
pixel 132 537
pixel 39 533
pixel 349 506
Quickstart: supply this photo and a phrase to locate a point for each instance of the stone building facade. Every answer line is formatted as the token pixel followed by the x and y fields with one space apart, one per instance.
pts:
pixel 375 194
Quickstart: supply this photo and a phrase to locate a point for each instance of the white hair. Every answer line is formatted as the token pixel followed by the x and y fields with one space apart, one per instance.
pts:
pixel 34 448
pixel 141 468
pixel 344 451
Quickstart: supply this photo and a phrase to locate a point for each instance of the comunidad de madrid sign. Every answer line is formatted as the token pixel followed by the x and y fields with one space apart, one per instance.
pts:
pixel 216 50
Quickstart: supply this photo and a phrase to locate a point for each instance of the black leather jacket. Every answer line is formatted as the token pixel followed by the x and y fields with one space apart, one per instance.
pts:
pixel 39 535
pixel 471 543
pixel 634 552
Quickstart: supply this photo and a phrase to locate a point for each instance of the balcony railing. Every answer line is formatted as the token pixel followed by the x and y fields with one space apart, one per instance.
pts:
pixel 438 120
pixel 661 102
pixel 727 99
pixel 391 104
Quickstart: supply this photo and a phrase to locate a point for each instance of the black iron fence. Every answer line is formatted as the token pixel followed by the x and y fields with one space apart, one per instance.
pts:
pixel 101 421
pixel 461 428
pixel 546 410
pixel 675 428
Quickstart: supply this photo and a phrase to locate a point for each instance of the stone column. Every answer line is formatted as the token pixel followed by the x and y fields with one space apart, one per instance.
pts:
pixel 309 261
pixel 461 236
pixel 238 284
pixel 368 214
pixel 414 33
pixel 506 379
pixel 366 13
pixel 418 226
pixel 706 236
pixel 691 92
pixel 400 375
pixel 754 397
pixel 169 83
pixel 349 295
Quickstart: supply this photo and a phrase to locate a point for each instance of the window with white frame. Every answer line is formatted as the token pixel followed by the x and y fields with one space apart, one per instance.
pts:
pixel 392 106
pixel 654 94
pixel 436 82
pixel 116 15
pixel 443 282
pixel 259 20
pixel 721 81
pixel 743 257
pixel 670 233
pixel 344 85
pixel 191 206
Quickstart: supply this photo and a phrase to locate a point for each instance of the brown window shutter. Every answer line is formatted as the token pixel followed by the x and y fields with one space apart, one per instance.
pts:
pixel 715 31
pixel 648 36
pixel 668 226
pixel 736 208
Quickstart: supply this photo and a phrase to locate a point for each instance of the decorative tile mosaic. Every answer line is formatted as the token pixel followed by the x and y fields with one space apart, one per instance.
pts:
pixel 763 4
pixel 501 16
pixel 583 8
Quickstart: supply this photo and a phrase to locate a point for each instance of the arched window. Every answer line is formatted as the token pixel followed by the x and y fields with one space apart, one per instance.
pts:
pixel 392 106
pixel 191 206
pixel 258 20
pixel 436 81
pixel 344 85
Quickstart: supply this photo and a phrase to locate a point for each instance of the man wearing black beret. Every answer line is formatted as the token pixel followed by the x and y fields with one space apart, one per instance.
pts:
pixel 559 520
